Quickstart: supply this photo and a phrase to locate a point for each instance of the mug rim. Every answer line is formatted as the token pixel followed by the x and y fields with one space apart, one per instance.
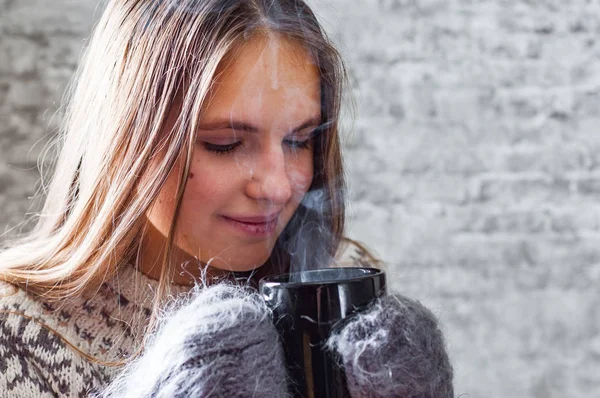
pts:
pixel 282 280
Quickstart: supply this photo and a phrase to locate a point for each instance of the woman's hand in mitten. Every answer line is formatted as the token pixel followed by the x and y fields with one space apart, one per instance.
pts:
pixel 221 343
pixel 394 349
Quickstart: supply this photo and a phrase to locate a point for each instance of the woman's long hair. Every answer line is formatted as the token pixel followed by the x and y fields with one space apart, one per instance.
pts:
pixel 116 153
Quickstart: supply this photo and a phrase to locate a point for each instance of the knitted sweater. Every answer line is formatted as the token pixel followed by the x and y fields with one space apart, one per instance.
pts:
pixel 74 348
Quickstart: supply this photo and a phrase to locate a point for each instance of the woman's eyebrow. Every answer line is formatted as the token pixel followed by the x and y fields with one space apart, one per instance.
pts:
pixel 220 124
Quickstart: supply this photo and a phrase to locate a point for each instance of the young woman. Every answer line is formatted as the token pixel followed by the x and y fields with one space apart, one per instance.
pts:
pixel 200 145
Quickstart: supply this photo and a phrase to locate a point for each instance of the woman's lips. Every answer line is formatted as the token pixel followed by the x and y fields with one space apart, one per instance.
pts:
pixel 254 226
pixel 260 219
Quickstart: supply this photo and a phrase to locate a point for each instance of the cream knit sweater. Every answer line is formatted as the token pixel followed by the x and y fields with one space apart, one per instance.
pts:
pixel 74 348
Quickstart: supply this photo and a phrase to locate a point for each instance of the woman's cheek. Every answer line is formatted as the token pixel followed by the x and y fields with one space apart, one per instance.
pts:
pixel 300 180
pixel 203 190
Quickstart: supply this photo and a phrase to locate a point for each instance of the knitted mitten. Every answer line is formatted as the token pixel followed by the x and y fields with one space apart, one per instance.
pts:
pixel 220 343
pixel 394 349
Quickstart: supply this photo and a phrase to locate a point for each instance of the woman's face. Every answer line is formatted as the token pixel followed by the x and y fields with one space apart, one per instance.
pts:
pixel 253 157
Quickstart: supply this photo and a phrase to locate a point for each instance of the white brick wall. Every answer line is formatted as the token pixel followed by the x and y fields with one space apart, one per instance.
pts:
pixel 475 174
pixel 474 166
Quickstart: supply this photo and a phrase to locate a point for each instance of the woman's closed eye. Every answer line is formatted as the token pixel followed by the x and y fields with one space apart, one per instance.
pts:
pixel 294 142
pixel 221 149
pixel 227 148
pixel 305 143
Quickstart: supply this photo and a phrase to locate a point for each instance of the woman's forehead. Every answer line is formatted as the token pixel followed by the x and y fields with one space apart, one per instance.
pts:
pixel 266 51
pixel 267 77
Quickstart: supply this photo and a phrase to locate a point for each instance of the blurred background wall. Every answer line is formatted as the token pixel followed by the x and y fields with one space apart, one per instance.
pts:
pixel 474 166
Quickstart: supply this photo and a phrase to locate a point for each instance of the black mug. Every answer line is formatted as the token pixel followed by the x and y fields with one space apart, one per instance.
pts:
pixel 307 307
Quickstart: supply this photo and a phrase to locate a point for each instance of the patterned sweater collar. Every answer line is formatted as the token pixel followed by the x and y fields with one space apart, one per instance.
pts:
pixel 136 287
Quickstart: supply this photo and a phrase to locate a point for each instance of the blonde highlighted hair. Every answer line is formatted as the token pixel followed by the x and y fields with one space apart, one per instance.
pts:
pixel 116 152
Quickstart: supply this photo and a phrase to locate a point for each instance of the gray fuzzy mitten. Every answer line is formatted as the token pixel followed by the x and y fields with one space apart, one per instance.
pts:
pixel 220 343
pixel 394 349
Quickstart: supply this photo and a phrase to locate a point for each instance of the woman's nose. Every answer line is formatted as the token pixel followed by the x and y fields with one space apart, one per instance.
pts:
pixel 269 179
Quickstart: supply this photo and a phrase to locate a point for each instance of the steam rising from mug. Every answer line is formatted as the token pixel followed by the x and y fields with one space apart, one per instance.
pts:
pixel 308 248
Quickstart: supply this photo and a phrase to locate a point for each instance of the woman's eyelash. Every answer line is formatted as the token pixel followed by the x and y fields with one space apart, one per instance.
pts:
pixel 300 144
pixel 221 149
pixel 307 143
